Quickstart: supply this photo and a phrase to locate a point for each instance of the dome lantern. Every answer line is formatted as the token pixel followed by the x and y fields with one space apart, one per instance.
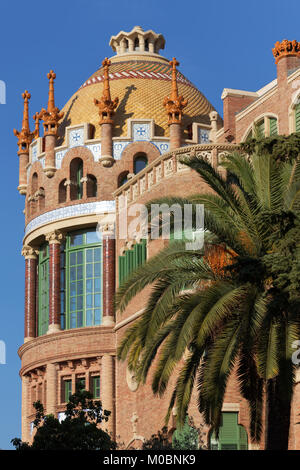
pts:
pixel 137 41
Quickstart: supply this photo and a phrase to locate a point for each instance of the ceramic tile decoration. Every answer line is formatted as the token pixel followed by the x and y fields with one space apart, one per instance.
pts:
pixel 70 211
pixel 203 136
pixel 96 150
pixel 118 149
pixel 141 131
pixel 58 157
pixel 76 137
pixel 34 150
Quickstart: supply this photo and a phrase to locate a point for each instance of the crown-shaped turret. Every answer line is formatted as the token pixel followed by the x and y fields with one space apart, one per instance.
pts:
pixel 106 105
pixel 176 103
pixel 52 115
pixel 24 136
pixel 286 48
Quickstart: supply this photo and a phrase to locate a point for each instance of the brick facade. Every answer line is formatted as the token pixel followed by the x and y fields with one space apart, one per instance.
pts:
pixel 50 359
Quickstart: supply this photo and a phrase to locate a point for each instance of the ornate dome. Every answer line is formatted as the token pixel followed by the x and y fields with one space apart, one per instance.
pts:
pixel 140 78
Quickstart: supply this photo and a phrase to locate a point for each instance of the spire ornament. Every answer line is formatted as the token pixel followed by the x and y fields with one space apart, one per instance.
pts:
pixel 24 136
pixel 52 116
pixel 106 105
pixel 176 103
pixel 36 118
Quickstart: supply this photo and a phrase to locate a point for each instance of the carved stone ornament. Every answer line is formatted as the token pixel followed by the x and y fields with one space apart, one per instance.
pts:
pixel 55 237
pixel 29 252
pixel 25 137
pixel 286 48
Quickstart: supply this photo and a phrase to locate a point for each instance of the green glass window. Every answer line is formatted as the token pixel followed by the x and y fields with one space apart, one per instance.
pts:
pixel 232 436
pixel 297 118
pixel 83 279
pixel 62 287
pixel 43 281
pixel 131 260
pixel 96 386
pixel 67 390
pixel 79 175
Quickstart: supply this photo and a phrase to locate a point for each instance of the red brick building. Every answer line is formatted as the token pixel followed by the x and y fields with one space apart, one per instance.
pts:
pixel 117 140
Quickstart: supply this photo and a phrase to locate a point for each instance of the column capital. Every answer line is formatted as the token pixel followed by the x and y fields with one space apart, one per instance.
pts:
pixel 29 252
pixel 107 228
pixel 55 237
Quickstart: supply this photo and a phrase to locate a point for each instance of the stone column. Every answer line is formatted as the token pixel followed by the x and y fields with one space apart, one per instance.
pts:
pixel 175 135
pixel 50 167
pixel 54 239
pixel 107 395
pixel 30 255
pixel 108 256
pixel 23 162
pixel 51 388
pixel 25 411
pixel 106 144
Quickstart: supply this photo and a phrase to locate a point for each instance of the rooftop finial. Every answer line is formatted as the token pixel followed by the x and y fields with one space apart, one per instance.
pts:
pixel 52 116
pixel 174 105
pixel 25 137
pixel 106 105
pixel 36 118
pixel 286 48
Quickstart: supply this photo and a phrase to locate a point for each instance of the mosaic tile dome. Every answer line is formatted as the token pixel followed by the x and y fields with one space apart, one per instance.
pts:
pixel 140 81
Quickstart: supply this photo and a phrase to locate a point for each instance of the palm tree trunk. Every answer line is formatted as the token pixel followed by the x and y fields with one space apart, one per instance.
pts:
pixel 278 411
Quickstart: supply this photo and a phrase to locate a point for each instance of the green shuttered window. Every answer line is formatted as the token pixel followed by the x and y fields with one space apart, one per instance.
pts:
pixel 273 126
pixel 131 260
pixel 232 436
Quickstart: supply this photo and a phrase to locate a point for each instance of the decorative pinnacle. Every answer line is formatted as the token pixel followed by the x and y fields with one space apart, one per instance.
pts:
pixel 286 48
pixel 36 118
pixel 176 103
pixel 25 137
pixel 52 116
pixel 106 105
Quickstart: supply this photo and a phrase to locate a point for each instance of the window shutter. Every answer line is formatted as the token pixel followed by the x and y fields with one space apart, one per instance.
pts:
pixel 243 438
pixel 260 129
pixel 273 126
pixel 297 117
pixel 229 435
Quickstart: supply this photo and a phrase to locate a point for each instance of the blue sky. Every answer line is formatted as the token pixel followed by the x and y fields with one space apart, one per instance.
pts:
pixel 219 44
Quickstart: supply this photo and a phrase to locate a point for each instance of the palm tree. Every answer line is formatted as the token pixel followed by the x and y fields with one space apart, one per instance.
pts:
pixel 209 317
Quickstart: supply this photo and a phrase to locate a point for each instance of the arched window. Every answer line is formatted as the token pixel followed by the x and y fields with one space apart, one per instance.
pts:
pixel 140 162
pixel 76 174
pixel 62 191
pixel 264 127
pixel 126 45
pixel 91 186
pixel 122 179
pixel 146 44
pixel 232 436
pixel 136 44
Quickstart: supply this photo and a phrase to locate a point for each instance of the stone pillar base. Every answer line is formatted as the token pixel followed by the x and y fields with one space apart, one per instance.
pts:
pixel 49 171
pixel 107 161
pixel 54 328
pixel 108 320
